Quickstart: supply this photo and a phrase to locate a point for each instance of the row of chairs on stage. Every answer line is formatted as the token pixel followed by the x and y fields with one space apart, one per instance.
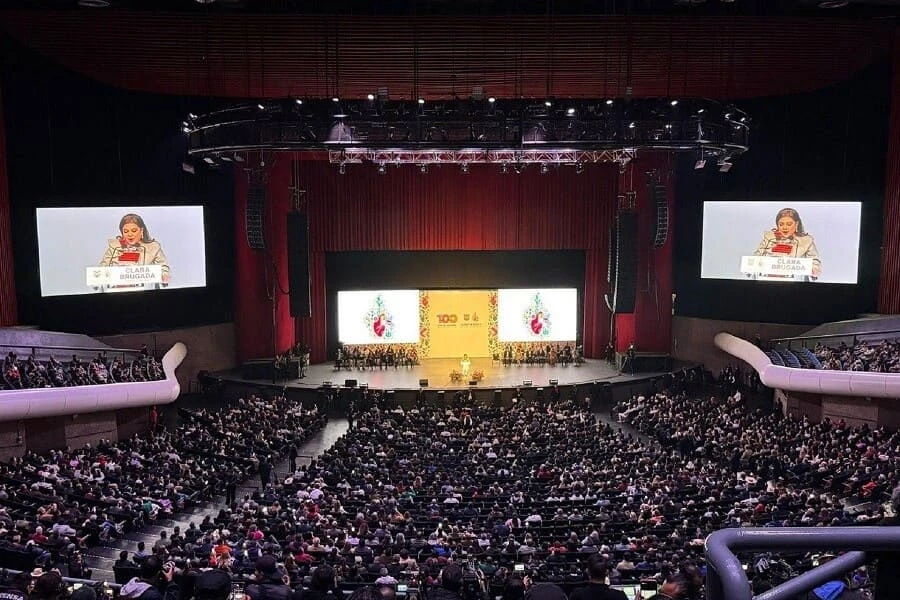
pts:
pixel 374 358
pixel 550 355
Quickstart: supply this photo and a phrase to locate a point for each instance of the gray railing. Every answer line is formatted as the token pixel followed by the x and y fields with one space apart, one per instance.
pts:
pixel 726 579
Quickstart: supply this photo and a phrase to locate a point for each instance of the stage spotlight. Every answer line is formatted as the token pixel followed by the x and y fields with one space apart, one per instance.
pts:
pixel 724 166
pixel 209 160
pixel 464 168
pixel 238 158
pixel 674 102
pixel 371 97
pixel 570 111
pixel 192 116
pixel 188 168
pixel 544 169
pixel 382 169
pixel 342 168
pixel 492 99
pixel 335 99
pixel 700 164
pixel 298 101
pixel 423 168
pixel 631 125
pixel 579 168
pixel 224 158
pixel 609 102
pixel 186 129
pixel 504 168
pixel 260 106
pixel 421 100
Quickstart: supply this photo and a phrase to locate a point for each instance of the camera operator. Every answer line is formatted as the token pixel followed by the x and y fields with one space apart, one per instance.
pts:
pixel 597 587
pixel 270 583
pixel 154 583
pixel 685 584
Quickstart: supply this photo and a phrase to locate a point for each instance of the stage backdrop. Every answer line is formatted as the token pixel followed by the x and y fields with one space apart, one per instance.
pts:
pixel 404 210
pixel 457 322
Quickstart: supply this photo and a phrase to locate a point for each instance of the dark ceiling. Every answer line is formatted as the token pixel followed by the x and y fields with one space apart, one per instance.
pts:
pixel 846 8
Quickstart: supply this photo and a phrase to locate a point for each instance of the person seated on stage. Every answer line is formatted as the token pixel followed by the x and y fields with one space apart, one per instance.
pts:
pixel 567 354
pixel 465 364
pixel 552 357
pixel 391 357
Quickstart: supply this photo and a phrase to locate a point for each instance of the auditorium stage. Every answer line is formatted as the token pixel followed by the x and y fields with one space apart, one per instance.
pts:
pixel 437 372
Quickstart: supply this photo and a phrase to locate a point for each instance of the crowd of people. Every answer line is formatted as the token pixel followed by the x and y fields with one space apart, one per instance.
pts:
pixel 53 506
pixel 879 357
pixel 535 353
pixel 545 486
pixel 33 373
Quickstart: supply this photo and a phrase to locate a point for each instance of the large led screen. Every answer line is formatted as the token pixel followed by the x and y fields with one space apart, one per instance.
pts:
pixel 535 315
pixel 777 241
pixel 92 250
pixel 378 317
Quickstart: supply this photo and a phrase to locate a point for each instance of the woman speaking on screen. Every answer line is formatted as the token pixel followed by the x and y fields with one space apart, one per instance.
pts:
pixel 788 238
pixel 134 246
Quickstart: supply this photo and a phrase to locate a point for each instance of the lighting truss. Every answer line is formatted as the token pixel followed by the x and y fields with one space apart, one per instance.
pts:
pixel 478 130
pixel 439 157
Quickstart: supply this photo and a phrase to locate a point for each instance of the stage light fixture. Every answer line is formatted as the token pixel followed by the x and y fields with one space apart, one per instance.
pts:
pixel 335 99
pixel 186 129
pixel 342 168
pixel 261 106
pixel 700 164
pixel 382 169
pixel 464 168
pixel 192 116
pixel 544 169
pixel 609 102
pixel 423 168
pixel 674 102
pixel 548 103
pixel 492 99
pixel 371 97
pixel 631 125
pixel 298 101
pixel 224 157
pixel 209 160
pixel 421 100
pixel 504 168
pixel 579 168
pixel 238 158
pixel 724 165
pixel 188 168
pixel 570 111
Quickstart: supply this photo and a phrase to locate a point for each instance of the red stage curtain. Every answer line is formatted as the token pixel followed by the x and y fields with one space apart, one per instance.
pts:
pixel 650 326
pixel 889 284
pixel 262 275
pixel 442 210
pixel 8 304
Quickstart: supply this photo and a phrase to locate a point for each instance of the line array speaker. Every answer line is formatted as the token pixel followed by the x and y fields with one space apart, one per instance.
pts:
pixel 658 193
pixel 254 217
pixel 625 287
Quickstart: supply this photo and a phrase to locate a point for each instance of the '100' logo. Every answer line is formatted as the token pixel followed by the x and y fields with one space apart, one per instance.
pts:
pixel 446 318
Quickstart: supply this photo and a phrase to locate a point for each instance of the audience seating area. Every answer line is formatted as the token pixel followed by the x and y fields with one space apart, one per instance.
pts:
pixel 34 373
pixel 881 357
pixel 54 506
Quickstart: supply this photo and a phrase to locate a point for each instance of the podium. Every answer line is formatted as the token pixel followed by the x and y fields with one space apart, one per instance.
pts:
pixel 777 267
pixel 123 277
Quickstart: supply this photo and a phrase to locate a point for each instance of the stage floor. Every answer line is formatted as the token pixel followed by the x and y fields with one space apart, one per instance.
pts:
pixel 437 372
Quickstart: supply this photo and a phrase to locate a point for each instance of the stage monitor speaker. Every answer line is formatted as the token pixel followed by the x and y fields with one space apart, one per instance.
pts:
pixel 254 216
pixel 298 263
pixel 350 383
pixel 327 384
pixel 423 383
pixel 473 382
pixel 527 383
pixel 554 382
pixel 625 288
